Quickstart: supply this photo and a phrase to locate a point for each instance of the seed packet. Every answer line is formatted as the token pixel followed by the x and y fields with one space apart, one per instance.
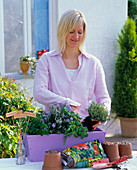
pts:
pixel 83 155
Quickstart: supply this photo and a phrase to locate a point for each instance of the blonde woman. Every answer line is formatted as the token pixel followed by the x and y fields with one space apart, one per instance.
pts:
pixel 68 74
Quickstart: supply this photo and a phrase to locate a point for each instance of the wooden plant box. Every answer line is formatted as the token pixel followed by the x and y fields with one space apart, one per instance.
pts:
pixel 36 145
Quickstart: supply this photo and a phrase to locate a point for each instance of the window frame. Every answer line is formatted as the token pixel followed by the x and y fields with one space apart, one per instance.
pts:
pixel 26 29
pixel 53 19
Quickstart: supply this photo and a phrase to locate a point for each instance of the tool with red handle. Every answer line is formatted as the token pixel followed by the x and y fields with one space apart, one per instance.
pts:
pixel 99 165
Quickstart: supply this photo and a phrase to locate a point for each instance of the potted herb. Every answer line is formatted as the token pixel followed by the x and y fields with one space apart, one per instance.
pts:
pixel 24 64
pixel 124 101
pixel 97 113
pixel 59 121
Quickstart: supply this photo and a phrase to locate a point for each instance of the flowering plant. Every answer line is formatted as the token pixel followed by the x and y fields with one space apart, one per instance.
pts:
pixel 40 53
pixel 59 121
pixel 25 58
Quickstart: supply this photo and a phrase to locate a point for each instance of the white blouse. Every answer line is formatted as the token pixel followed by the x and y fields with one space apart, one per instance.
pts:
pixel 72 71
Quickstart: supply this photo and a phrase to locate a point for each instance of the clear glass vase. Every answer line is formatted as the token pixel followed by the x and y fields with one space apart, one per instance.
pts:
pixel 20 153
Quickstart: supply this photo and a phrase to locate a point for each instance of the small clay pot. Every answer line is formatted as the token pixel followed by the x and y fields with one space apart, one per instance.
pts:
pixel 24 66
pixel 125 148
pixel 111 150
pixel 52 160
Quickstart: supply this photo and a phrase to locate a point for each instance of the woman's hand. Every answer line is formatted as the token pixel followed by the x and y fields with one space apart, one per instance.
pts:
pixel 75 108
pixel 96 125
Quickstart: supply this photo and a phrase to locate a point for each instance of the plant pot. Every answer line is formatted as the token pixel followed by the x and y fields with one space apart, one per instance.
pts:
pixel 128 127
pixel 24 66
pixel 52 160
pixel 125 148
pixel 111 150
pixel 36 145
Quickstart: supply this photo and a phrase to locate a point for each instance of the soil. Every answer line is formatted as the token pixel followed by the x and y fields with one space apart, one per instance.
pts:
pixel 87 122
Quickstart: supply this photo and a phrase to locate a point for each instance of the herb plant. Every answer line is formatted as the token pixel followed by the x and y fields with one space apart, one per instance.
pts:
pixel 59 121
pixel 36 125
pixel 97 111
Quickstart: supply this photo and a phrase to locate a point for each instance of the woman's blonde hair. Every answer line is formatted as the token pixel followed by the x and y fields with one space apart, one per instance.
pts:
pixel 70 20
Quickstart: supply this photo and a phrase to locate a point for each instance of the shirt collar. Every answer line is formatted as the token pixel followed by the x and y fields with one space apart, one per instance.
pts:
pixel 56 52
pixel 85 54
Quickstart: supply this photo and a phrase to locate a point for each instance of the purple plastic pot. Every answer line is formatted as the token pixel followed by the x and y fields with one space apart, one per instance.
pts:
pixel 36 145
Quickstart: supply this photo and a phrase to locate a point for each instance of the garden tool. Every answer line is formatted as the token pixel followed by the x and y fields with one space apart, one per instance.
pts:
pixel 101 164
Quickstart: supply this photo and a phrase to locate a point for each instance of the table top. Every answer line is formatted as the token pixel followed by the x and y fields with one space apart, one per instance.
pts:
pixel 10 164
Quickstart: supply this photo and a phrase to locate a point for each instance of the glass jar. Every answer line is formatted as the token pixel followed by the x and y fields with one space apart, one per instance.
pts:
pixel 20 153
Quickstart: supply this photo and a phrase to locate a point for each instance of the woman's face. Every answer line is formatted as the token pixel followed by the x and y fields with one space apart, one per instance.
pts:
pixel 74 37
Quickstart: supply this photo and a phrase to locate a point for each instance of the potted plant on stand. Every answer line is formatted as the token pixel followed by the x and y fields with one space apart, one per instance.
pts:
pixel 124 101
pixel 24 64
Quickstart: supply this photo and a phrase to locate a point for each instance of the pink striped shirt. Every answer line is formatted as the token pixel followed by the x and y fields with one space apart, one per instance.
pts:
pixel 53 84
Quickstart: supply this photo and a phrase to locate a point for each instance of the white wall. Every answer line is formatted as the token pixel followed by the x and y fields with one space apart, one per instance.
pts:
pixel 105 18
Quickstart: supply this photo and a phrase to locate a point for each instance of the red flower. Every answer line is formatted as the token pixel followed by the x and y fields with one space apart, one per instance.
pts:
pixel 40 53
pixel 96 150
pixel 81 146
pixel 90 161
pixel 90 158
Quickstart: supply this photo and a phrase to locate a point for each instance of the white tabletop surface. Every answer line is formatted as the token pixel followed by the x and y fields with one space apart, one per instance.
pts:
pixel 10 164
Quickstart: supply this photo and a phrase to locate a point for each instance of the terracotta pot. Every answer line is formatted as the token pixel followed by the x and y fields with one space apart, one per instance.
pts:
pixel 52 160
pixel 128 127
pixel 125 148
pixel 111 150
pixel 24 66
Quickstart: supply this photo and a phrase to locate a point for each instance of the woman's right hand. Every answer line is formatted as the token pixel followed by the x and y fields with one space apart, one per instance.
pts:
pixel 75 108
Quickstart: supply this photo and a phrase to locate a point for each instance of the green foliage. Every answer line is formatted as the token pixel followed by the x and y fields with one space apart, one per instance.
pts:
pixel 25 58
pixel 58 121
pixel 36 125
pixel 97 111
pixel 132 11
pixel 8 141
pixel 124 101
pixel 12 97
